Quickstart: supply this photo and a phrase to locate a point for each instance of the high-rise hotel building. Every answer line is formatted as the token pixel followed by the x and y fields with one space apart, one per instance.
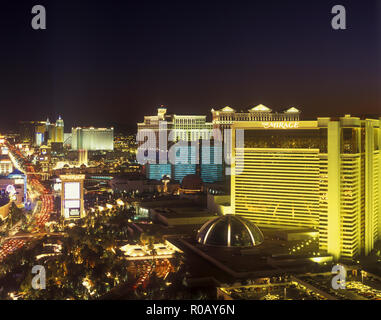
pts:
pixel 225 117
pixel 323 174
pixel 194 128
pixel 42 132
pixel 55 131
pixel 92 139
pixel 182 127
pixel 190 129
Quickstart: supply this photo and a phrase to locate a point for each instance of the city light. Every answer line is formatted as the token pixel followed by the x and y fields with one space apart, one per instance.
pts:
pixel 197 152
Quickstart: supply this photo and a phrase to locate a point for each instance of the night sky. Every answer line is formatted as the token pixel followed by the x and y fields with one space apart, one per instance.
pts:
pixel 107 62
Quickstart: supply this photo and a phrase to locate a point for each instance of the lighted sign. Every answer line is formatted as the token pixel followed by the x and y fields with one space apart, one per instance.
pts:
pixel 73 177
pixel 72 196
pixel 72 208
pixel 280 125
pixel 74 212
pixel 72 204
pixel 72 190
pixel 19 181
pixel 11 189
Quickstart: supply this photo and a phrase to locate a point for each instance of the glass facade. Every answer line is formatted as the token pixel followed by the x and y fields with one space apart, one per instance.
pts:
pixel 230 231
pixel 211 168
pixel 157 171
pixel 185 162
pixel 290 138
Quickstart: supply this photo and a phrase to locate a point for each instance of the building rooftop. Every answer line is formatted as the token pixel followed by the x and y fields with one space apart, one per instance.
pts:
pixel 260 108
pixel 230 231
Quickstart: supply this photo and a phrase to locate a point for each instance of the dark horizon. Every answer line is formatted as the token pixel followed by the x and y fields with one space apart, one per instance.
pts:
pixel 112 63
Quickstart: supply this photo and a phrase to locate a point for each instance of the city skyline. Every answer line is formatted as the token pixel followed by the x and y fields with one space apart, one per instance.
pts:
pixel 192 150
pixel 116 62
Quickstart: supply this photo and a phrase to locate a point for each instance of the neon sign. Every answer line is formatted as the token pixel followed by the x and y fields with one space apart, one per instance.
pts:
pixel 10 189
pixel 280 125
pixel 72 199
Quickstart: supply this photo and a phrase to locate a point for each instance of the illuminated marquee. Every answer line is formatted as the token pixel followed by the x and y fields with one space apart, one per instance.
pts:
pixel 281 125
pixel 72 196
pixel 19 181
pixel 72 177
pixel 10 189
pixel 11 192
pixel 72 202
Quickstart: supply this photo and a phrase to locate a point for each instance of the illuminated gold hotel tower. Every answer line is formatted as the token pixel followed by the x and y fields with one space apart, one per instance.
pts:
pixel 323 174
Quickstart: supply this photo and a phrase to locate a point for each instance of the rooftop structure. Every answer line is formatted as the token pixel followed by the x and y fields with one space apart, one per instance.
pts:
pixel 230 231
pixel 225 117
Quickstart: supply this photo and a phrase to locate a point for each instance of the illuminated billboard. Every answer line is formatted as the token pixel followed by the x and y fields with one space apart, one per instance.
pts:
pixel 19 181
pixel 72 196
pixel 72 190
pixel 281 125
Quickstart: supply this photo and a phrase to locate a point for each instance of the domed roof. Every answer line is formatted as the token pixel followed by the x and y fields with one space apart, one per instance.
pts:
pixel 191 182
pixel 230 231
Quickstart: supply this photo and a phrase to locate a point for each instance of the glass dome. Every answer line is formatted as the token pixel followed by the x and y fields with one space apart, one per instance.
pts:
pixel 230 231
